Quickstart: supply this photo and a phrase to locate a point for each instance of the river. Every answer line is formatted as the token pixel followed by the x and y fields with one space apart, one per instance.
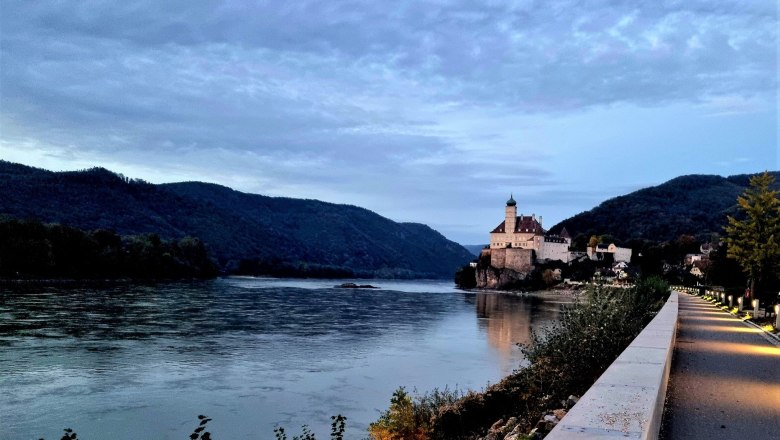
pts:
pixel 128 361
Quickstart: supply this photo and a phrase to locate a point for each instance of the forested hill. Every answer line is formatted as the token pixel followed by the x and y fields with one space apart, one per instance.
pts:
pixel 693 205
pixel 247 233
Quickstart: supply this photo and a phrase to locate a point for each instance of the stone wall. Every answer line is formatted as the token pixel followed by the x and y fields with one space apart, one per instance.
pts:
pixel 519 260
pixel 498 268
pixel 498 258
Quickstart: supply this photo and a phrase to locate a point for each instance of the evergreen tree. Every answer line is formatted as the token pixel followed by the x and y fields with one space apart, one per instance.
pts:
pixel 754 239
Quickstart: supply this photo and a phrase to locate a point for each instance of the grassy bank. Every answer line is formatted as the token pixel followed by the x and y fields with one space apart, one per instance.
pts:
pixel 567 359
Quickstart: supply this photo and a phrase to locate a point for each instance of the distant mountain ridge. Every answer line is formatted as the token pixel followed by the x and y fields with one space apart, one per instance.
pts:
pixel 475 248
pixel 692 205
pixel 236 226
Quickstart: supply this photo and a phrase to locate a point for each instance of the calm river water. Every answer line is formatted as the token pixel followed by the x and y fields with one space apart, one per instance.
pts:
pixel 131 361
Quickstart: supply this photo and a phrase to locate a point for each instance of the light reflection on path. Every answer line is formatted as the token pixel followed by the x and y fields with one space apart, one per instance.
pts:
pixel 725 381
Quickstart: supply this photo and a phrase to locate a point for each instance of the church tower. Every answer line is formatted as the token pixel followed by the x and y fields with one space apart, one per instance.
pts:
pixel 510 222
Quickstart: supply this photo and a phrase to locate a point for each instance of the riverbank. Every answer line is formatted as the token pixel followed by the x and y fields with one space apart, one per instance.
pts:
pixel 560 291
pixel 565 361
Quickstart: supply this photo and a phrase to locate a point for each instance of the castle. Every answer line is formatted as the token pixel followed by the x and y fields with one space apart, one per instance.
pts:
pixel 519 241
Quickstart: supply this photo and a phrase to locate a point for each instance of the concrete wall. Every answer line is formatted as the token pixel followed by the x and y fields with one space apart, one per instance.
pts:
pixel 627 401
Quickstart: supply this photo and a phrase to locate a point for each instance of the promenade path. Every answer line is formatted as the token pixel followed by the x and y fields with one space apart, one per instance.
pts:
pixel 725 378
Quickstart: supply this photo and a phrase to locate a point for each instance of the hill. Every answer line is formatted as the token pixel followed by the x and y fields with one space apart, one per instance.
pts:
pixel 475 249
pixel 245 232
pixel 694 205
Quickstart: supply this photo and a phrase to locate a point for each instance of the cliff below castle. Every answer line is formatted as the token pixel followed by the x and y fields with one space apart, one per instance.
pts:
pixel 506 269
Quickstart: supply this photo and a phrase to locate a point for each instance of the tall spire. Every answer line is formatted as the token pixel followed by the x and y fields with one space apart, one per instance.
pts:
pixel 511 201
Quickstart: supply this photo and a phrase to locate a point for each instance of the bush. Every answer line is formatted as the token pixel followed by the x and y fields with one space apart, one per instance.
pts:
pixel 410 418
pixel 567 359
pixel 466 277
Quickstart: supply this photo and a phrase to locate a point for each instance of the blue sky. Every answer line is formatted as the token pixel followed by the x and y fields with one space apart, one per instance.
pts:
pixel 421 111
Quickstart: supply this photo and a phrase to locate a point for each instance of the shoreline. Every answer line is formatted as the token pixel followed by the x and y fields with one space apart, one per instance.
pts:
pixel 546 293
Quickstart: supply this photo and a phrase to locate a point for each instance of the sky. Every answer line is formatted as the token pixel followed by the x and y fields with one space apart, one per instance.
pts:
pixel 431 112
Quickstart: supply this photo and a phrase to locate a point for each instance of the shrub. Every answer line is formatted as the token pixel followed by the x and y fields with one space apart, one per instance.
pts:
pixel 410 418
pixel 566 359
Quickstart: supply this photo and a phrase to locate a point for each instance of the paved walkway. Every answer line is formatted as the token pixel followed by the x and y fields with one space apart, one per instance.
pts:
pixel 725 378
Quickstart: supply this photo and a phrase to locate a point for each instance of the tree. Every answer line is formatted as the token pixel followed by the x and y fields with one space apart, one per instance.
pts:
pixel 754 238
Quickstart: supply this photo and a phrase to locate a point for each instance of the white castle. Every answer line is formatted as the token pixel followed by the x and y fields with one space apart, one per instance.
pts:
pixel 526 232
pixel 512 241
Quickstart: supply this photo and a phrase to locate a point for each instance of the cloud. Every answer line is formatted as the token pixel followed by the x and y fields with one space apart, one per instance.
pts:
pixel 362 102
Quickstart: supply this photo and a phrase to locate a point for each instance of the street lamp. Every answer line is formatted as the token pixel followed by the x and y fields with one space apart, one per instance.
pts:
pixel 755 309
pixel 777 316
pixel 739 303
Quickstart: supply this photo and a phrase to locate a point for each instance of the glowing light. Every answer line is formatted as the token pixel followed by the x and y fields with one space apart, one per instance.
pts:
pixel 712 318
pixel 725 329
pixel 733 348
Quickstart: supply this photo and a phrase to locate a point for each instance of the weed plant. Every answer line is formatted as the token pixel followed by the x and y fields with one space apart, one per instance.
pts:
pixel 566 359
pixel 410 417
pixel 338 426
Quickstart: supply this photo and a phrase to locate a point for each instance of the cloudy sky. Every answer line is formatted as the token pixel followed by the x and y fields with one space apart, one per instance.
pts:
pixel 421 111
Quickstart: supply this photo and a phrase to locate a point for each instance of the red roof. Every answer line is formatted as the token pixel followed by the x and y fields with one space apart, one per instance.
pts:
pixel 524 223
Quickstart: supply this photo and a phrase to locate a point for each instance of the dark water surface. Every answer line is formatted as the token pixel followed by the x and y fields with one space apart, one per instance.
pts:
pixel 130 361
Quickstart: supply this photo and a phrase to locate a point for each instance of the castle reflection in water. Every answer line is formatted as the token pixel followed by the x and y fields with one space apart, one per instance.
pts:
pixel 509 320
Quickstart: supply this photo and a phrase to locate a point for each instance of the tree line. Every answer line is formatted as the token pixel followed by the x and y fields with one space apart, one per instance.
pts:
pixel 30 249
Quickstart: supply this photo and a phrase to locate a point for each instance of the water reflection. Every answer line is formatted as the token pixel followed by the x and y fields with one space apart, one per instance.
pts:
pixel 509 321
pixel 129 361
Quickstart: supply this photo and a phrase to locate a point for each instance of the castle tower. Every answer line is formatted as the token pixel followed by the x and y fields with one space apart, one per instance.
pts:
pixel 510 222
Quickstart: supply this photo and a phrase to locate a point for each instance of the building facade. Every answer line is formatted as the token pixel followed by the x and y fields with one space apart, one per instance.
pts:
pixel 525 232
pixel 618 253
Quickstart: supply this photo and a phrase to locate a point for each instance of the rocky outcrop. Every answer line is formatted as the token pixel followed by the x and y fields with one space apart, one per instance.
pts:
pixel 491 278
pixel 505 269
pixel 355 286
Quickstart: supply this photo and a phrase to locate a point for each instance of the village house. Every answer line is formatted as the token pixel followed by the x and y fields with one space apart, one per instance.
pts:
pixel 602 250
pixel 691 258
